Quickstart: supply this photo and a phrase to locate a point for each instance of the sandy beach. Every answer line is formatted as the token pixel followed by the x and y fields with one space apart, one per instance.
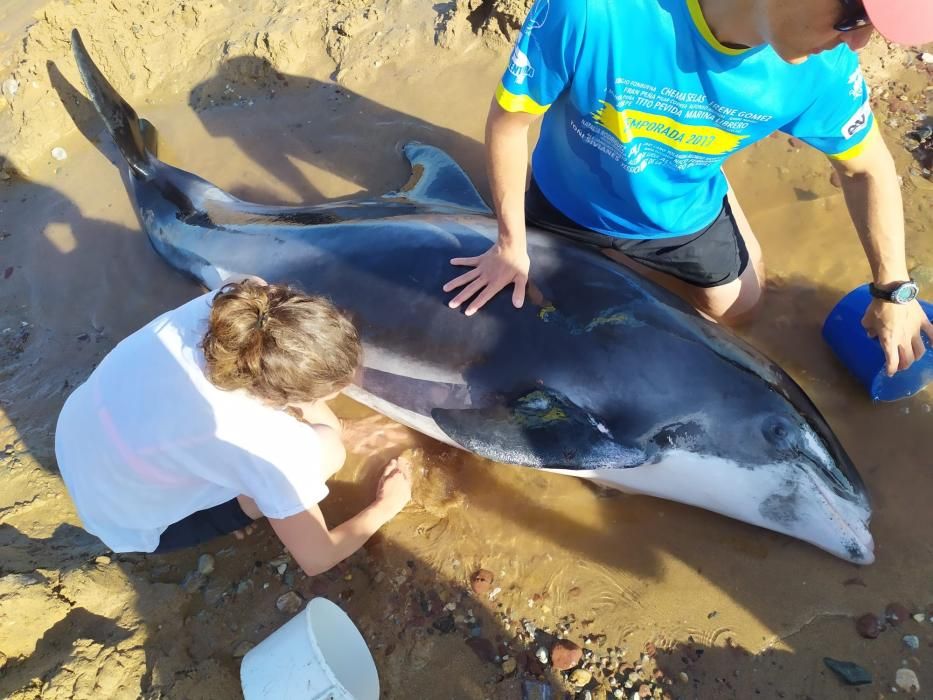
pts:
pixel 309 101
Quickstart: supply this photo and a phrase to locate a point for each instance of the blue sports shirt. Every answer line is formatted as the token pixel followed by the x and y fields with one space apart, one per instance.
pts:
pixel 642 105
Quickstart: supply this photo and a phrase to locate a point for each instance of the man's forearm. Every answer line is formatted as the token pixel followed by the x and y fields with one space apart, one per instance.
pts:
pixel 507 164
pixel 874 201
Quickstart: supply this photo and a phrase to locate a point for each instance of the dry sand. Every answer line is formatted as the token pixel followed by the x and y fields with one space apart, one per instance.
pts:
pixel 305 101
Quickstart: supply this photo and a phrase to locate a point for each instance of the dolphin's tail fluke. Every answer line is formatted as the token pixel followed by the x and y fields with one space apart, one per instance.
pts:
pixel 121 119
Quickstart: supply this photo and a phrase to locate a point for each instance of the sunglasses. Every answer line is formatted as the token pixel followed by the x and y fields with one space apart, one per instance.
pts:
pixel 854 18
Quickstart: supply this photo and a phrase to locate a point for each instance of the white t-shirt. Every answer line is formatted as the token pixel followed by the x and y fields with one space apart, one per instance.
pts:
pixel 147 439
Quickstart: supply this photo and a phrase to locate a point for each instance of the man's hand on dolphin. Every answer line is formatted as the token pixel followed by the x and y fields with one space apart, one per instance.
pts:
pixel 900 330
pixel 492 271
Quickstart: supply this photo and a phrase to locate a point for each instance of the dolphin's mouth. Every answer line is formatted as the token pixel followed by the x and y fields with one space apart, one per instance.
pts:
pixel 855 541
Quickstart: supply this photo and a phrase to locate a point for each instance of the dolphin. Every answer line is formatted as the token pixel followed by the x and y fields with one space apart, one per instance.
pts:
pixel 602 375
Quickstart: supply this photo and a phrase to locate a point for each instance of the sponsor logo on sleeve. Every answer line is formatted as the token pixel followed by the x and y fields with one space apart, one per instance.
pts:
pixel 520 66
pixel 856 84
pixel 857 122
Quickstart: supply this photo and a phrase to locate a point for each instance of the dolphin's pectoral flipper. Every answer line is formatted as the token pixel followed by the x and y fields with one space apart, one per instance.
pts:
pixel 539 429
pixel 437 180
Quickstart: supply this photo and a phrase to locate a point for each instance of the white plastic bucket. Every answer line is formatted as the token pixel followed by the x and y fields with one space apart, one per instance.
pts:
pixel 317 655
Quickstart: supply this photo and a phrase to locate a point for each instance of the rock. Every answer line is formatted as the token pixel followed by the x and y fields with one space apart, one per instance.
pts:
pixel 289 603
pixel 907 680
pixel 926 57
pixel 509 666
pixel 59 153
pixel 541 655
pixel 483 648
pixel 481 581
pixel 896 613
pixel 242 649
pixel 536 690
pixel 919 617
pixel 565 654
pixel 102 561
pixel 683 677
pixel 911 641
pixel 445 624
pixel 206 564
pixel 850 673
pixel 868 625
pixel 580 677
pixel 10 87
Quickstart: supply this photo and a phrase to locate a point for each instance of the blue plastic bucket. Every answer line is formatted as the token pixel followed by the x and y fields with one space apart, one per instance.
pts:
pixel 863 355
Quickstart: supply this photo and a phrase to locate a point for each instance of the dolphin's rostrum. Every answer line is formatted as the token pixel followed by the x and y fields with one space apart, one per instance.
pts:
pixel 603 374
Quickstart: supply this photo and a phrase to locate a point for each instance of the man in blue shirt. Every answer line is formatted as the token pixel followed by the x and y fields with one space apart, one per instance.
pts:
pixel 643 100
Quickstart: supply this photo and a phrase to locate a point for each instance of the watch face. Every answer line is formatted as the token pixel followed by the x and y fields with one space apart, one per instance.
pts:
pixel 905 294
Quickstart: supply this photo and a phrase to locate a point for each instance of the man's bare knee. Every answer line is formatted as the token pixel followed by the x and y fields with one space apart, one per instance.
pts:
pixel 734 303
pixel 745 308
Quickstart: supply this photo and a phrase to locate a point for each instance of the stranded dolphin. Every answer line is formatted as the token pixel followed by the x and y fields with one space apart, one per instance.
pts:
pixel 604 375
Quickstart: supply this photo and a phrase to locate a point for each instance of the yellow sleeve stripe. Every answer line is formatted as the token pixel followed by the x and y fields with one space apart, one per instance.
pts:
pixel 511 102
pixel 857 149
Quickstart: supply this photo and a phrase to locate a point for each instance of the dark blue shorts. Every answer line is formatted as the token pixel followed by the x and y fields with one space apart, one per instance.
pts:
pixel 202 526
pixel 711 257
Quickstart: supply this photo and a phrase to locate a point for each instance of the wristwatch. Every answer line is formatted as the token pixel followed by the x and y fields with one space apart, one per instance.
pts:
pixel 899 293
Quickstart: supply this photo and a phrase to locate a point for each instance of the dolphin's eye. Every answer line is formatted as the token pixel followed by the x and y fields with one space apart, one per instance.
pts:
pixel 778 432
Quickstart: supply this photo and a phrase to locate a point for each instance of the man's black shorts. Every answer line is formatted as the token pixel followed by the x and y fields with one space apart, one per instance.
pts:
pixel 712 257
pixel 202 526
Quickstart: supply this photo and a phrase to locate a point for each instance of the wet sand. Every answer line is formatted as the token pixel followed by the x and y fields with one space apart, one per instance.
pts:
pixel 742 612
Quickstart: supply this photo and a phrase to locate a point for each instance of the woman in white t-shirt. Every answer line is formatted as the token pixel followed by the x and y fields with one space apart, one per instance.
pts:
pixel 213 415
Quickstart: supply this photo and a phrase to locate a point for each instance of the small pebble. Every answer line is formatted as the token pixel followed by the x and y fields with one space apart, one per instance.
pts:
pixel 481 581
pixel 102 560
pixel 289 603
pixel 868 625
pixel 509 666
pixel 926 57
pixel 541 654
pixel 59 153
pixel 535 690
pixel 206 564
pixel 907 680
pixel 10 87
pixel 565 654
pixel 896 613
pixel 920 617
pixel 683 677
pixel 580 677
pixel 911 641
pixel 848 672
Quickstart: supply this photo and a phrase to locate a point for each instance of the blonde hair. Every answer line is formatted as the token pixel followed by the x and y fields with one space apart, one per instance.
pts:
pixel 278 343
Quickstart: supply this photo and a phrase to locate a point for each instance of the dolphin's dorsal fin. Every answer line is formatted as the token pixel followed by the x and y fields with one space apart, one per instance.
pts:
pixel 437 180
pixel 541 428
